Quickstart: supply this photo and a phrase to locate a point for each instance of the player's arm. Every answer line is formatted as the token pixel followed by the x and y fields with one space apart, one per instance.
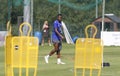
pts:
pixel 58 33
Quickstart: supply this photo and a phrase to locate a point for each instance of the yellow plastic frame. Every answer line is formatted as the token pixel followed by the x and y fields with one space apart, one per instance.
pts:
pixel 21 52
pixel 88 54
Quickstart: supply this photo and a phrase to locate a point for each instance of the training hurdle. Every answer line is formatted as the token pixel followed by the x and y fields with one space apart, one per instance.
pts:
pixel 21 53
pixel 8 39
pixel 88 55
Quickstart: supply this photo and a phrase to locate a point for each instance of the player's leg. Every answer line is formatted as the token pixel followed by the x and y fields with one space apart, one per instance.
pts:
pixel 51 52
pixel 59 54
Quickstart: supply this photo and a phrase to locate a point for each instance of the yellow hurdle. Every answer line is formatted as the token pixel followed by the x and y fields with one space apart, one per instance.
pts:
pixel 21 54
pixel 88 55
pixel 8 39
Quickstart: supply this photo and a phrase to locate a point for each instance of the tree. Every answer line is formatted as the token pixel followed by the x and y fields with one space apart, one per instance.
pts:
pixel 74 18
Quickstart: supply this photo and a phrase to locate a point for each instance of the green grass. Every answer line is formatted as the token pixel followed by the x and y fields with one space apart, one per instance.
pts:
pixel 111 55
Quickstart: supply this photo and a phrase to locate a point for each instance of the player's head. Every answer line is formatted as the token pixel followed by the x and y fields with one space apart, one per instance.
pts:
pixel 59 17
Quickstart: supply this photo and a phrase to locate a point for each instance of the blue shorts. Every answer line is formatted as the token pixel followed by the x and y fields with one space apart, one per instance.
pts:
pixel 59 46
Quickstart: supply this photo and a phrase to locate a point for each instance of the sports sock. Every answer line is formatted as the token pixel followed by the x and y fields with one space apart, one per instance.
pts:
pixel 47 56
pixel 58 60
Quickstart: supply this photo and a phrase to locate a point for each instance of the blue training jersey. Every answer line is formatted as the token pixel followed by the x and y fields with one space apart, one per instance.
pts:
pixel 56 25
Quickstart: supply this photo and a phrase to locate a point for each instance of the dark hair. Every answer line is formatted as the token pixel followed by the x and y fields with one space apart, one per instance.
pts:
pixel 59 15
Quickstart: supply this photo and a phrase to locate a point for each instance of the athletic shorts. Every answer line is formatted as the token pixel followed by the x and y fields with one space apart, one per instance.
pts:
pixel 59 45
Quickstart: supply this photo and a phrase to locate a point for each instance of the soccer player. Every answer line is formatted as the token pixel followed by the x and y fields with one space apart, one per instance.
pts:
pixel 56 39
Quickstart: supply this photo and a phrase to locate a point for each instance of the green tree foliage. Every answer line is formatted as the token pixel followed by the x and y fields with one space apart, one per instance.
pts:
pixel 75 19
pixel 3 14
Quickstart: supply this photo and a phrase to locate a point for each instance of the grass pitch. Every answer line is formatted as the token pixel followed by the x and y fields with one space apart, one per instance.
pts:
pixel 111 55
